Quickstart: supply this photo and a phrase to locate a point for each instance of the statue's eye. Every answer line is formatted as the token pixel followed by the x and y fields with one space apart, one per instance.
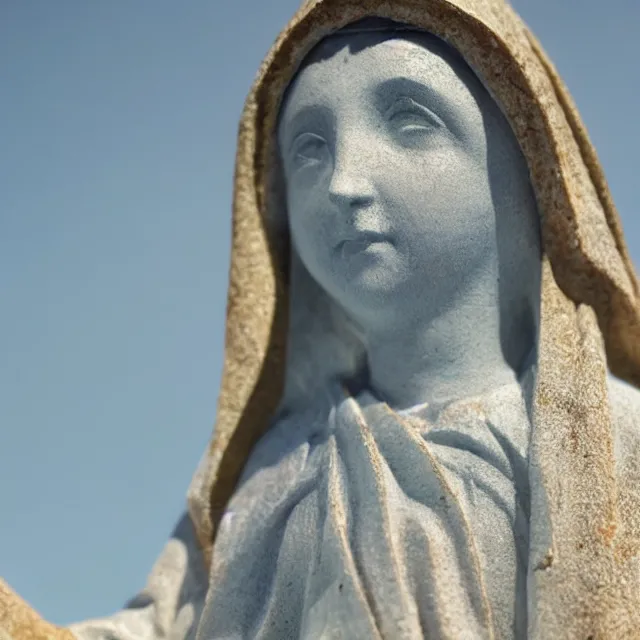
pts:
pixel 308 149
pixel 409 116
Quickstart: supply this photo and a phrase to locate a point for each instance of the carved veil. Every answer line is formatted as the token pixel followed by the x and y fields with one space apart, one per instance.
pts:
pixel 584 531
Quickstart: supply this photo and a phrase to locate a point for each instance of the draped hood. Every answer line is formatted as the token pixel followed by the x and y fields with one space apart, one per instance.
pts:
pixel 583 538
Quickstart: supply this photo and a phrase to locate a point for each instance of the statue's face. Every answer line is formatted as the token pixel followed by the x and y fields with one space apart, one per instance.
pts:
pixel 384 153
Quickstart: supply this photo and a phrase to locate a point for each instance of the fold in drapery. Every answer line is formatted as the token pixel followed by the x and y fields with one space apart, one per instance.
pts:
pixel 376 524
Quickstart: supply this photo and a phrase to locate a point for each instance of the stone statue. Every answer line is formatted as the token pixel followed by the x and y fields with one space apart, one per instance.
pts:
pixel 418 432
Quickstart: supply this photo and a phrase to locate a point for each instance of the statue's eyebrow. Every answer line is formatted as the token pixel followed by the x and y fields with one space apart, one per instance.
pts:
pixel 316 113
pixel 387 91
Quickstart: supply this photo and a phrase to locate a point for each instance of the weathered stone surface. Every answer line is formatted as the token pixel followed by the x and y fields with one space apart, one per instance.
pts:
pixel 421 435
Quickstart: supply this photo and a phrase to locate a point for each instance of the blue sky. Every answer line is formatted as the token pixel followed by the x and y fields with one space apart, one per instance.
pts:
pixel 116 162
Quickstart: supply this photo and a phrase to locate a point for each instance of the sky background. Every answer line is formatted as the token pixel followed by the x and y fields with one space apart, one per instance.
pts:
pixel 117 140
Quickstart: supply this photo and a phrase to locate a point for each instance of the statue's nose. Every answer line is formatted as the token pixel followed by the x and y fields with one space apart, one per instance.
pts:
pixel 351 183
pixel 345 200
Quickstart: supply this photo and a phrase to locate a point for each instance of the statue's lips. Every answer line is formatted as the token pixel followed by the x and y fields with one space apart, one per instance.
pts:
pixel 359 242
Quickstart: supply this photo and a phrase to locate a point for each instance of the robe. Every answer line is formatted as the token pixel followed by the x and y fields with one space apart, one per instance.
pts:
pixel 369 523
pixel 361 522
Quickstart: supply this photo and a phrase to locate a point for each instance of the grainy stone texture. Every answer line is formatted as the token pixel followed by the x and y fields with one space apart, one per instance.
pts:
pixel 583 564
pixel 375 523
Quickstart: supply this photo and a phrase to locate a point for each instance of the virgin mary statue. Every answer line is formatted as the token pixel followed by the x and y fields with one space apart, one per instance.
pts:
pixel 418 432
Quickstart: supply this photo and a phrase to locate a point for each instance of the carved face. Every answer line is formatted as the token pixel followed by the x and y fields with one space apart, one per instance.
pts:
pixel 384 148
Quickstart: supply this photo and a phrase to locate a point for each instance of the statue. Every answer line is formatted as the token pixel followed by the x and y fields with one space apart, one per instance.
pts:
pixel 418 434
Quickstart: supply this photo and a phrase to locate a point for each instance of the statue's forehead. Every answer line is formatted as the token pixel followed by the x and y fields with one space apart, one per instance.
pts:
pixel 344 64
pixel 355 77
pixel 365 49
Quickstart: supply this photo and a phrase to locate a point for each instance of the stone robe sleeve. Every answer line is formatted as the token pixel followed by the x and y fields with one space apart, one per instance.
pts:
pixel 168 607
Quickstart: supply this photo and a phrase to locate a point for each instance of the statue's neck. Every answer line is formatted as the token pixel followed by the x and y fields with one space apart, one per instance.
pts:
pixel 473 347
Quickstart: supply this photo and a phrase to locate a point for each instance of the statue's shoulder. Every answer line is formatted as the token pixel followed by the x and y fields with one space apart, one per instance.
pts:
pixel 625 414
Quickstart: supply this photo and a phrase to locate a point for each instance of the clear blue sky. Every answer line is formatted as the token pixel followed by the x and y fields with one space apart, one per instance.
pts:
pixel 116 161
